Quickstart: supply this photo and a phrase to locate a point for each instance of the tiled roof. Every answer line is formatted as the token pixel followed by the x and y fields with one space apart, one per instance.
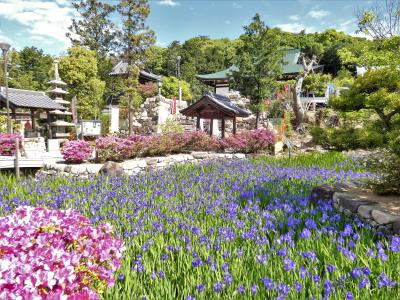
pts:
pixel 224 74
pixel 121 69
pixel 224 103
pixel 28 99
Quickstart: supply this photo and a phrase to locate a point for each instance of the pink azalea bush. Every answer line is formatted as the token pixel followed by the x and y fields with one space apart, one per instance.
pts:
pixel 249 141
pixel 118 148
pixel 76 151
pixel 7 143
pixel 56 254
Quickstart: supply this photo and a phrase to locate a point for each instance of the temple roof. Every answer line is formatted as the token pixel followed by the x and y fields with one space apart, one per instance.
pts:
pixel 214 106
pixel 291 66
pixel 224 74
pixel 121 69
pixel 28 99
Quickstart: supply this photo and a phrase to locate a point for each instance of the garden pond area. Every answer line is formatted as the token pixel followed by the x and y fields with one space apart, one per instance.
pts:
pixel 228 229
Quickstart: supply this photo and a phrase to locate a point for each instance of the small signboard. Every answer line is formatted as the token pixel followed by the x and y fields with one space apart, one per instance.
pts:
pixel 90 128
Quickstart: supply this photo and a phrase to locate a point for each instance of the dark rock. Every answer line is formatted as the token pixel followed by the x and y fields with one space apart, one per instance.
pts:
pixel 351 203
pixel 396 228
pixel 111 168
pixel 321 193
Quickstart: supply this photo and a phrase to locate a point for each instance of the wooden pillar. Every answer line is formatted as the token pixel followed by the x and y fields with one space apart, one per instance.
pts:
pixel 14 114
pixel 198 123
pixel 223 127
pixel 33 120
pixel 49 134
pixel 234 125
pixel 211 126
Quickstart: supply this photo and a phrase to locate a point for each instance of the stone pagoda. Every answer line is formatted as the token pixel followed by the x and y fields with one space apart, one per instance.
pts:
pixel 58 124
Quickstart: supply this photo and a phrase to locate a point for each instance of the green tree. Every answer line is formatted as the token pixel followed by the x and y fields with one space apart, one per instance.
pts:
pixel 93 28
pixel 170 88
pixel 29 69
pixel 316 83
pixel 377 90
pixel 135 38
pixel 260 61
pixel 79 70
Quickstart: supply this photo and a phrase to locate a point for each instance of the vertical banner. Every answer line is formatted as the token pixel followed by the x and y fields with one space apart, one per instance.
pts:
pixel 173 106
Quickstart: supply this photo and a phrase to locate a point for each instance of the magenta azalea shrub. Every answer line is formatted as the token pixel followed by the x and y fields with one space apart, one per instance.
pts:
pixel 55 254
pixel 250 141
pixel 118 148
pixel 76 151
pixel 7 143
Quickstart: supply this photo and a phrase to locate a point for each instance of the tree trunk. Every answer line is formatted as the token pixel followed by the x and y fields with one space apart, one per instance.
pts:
pixel 129 114
pixel 297 105
pixel 386 118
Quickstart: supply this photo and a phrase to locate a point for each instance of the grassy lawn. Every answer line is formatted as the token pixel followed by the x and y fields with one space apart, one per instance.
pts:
pixel 230 229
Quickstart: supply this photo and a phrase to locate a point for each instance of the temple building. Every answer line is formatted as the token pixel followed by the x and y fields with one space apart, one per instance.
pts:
pixel 121 69
pixel 215 107
pixel 220 80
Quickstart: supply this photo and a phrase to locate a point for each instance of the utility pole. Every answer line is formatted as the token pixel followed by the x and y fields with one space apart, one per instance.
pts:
pixel 5 47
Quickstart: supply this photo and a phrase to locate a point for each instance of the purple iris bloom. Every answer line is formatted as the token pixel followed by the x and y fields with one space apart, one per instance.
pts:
pixel 288 264
pixel 305 234
pixel 241 289
pixel 254 288
pixel 349 296
pixel 268 283
pixel 200 288
pixel 331 268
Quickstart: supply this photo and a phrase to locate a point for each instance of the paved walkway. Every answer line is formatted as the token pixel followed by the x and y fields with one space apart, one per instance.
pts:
pixel 390 203
pixel 31 159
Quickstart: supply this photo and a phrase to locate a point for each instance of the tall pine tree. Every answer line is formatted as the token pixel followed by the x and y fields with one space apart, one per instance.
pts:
pixel 260 63
pixel 93 27
pixel 135 38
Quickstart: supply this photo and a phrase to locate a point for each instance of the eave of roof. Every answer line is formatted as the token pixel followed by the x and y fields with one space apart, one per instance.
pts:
pixel 221 102
pixel 29 99
pixel 121 69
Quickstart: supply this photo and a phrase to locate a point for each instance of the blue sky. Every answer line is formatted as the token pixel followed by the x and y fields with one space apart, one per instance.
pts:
pixel 43 23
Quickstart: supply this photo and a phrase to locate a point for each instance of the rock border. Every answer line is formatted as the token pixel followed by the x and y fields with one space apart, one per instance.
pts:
pixel 366 210
pixel 133 166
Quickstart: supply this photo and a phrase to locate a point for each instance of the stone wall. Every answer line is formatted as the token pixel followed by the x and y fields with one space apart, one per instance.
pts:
pixel 136 166
pixel 364 208
pixel 152 112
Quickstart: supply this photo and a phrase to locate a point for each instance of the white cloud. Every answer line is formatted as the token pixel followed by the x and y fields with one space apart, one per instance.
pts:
pixel 227 22
pixel 296 27
pixel 41 18
pixel 347 26
pixel 4 38
pixel 169 3
pixel 237 5
pixel 294 17
pixel 318 14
